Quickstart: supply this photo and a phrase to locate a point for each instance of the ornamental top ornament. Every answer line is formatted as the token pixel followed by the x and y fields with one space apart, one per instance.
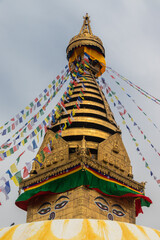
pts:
pixel 85 38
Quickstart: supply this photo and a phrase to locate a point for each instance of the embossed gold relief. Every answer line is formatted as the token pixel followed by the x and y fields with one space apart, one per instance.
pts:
pixel 59 153
pixel 113 153
pixel 81 203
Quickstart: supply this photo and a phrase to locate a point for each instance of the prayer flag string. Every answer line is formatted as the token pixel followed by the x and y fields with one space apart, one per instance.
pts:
pixel 143 92
pixel 122 112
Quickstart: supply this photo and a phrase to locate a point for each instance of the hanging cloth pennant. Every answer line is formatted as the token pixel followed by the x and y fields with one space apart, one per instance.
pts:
pixel 25 172
pixel 13 168
pixel 46 149
pixel 14 179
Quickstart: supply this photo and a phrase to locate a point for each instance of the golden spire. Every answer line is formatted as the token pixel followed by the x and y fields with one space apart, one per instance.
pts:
pixel 86 28
pixel 85 38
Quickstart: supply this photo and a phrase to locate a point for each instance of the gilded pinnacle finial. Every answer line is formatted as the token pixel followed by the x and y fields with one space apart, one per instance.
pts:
pixel 85 38
pixel 86 28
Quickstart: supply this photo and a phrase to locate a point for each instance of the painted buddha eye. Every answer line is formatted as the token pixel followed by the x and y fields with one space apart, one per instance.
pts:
pixel 61 205
pixel 44 211
pixel 118 213
pixel 102 206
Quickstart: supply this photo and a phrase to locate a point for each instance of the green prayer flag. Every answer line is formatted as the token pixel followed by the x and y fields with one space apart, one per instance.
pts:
pixel 45 97
pixel 6 123
pixel 18 176
pixel 17 160
pixel 53 82
pixel 110 95
pixel 144 137
pixel 41 112
pixel 68 123
pixel 133 139
pixel 41 132
pixel 27 113
pixel 31 104
pixel 11 150
pixel 9 128
pixel 56 136
pixel 38 129
pixel 25 140
pixel 118 83
pixel 24 130
pixel 43 156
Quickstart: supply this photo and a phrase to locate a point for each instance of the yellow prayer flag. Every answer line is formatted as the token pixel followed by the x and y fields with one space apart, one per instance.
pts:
pixel 65 126
pixel 40 99
pixel 14 179
pixel 38 138
pixel 137 144
pixel 23 142
pixel 24 116
pixel 1 127
pixel 123 122
pixel 70 92
pixel 50 85
pixel 73 112
pixel 22 135
pixel 8 153
pixel 57 115
pixel 27 107
pixel 13 168
pixel 149 119
pixel 132 119
pixel 80 70
pixel 122 89
pixel 38 115
pixel 35 131
pixel 116 97
pixel 46 120
pixel 112 100
pixel 57 84
pixel 39 157
pixel 148 141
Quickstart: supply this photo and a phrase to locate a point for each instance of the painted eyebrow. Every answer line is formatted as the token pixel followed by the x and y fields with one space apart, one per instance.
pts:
pixel 46 203
pixel 117 205
pixel 60 198
pixel 101 199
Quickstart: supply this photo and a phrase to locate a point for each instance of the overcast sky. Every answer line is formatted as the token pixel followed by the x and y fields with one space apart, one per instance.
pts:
pixel 33 40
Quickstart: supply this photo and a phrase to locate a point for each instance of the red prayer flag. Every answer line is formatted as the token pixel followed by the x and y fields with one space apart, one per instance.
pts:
pixel 112 77
pixel 15 148
pixel 13 126
pixel 25 172
pixel 46 149
pixel 36 99
pixel 69 120
pixel 158 181
pixel 12 119
pixel 29 126
pixel 77 106
pixel 58 77
pixel 45 129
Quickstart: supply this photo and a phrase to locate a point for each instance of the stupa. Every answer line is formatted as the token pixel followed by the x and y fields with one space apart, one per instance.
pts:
pixel 84 186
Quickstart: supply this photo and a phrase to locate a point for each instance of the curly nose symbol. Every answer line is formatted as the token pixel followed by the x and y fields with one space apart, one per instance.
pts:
pixel 110 217
pixel 52 216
